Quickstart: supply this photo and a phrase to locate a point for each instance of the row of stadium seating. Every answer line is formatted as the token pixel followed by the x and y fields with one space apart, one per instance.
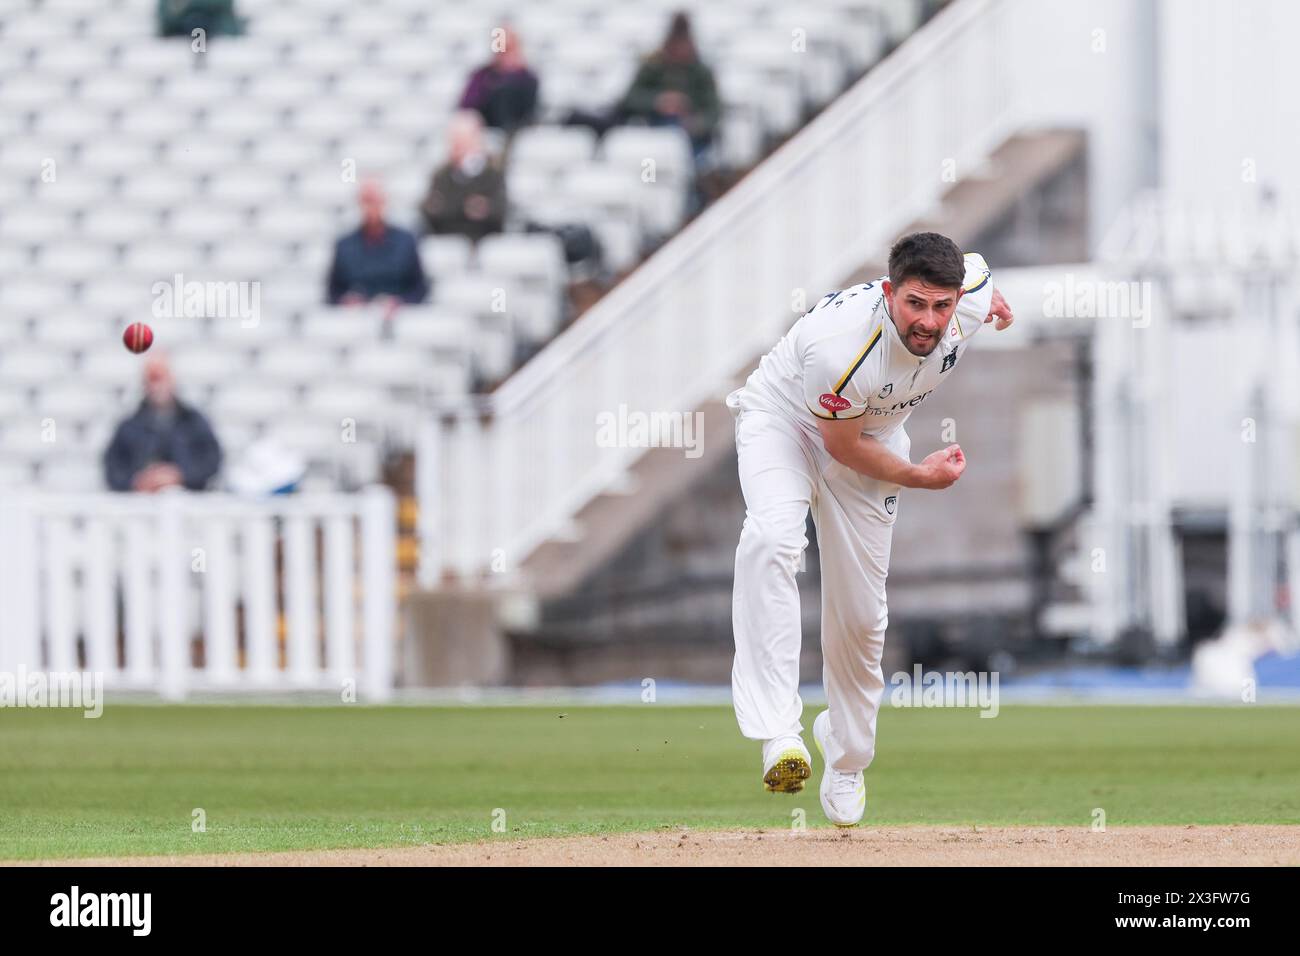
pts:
pixel 513 284
pixel 632 190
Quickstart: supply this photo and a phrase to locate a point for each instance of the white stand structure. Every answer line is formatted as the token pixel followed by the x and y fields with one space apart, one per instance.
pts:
pixel 1196 409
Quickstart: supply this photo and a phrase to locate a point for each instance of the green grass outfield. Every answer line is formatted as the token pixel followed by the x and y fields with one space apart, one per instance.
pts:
pixel 278 778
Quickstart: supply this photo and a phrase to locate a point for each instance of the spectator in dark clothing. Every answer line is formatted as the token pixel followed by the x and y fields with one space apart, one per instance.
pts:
pixel 180 18
pixel 467 195
pixel 165 444
pixel 504 92
pixel 674 86
pixel 377 260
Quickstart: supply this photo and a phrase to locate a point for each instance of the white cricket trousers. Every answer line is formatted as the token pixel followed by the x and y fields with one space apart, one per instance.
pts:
pixel 785 471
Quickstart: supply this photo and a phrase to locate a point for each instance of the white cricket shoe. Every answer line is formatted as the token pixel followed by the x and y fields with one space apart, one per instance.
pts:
pixel 844 795
pixel 786 764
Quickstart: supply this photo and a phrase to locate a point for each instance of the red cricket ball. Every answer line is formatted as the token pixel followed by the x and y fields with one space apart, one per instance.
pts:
pixel 138 337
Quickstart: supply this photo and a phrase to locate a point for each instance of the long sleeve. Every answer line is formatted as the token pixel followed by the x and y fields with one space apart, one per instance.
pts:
pixel 639 100
pixel 706 108
pixel 337 284
pixel 198 454
pixel 119 464
pixel 415 283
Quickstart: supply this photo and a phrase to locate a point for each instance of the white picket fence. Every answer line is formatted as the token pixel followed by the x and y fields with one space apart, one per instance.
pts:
pixel 140 587
pixel 496 482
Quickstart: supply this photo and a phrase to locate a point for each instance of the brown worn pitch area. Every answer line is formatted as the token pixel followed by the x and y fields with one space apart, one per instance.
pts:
pixel 865 846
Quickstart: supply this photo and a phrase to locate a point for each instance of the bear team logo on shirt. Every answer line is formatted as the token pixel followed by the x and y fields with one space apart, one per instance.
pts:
pixel 833 403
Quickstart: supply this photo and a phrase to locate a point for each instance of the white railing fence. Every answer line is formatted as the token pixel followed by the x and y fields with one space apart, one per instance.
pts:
pixel 176 592
pixel 496 482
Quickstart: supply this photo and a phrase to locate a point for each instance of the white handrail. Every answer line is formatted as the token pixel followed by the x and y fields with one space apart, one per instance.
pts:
pixel 200 571
pixel 494 486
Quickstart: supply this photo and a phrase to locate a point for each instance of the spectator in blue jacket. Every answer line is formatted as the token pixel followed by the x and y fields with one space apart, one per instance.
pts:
pixel 377 259
pixel 165 443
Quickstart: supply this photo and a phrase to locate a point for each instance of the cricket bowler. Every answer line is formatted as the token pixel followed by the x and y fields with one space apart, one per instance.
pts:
pixel 819 425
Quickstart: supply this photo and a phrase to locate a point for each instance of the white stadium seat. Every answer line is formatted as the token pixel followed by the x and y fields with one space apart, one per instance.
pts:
pixel 118 294
pixel 190 92
pixel 445 255
pixel 300 361
pixel 326 117
pixel 543 146
pixel 156 123
pixel 169 331
pixel 248 186
pixel 69 58
pixel 203 154
pixel 119 222
pixel 116 368
pixel 262 330
pixel 34 222
pixel 69 401
pixel 233 119
pixel 37 93
pixel 34 364
pixel 117 155
pixel 247 55
pixel 26 296
pixel 206 220
pixel 68 259
pixel 15 474
pixel 536 257
pixel 71 187
pixel 362 403
pixel 203 363
pixel 284 90
pixel 245 257
pixel 385 364
pixel 344 326
pixel 161 190
pixel 13 402
pixel 326 55
pixel 252 400
pixel 285 151
pixel 72 474
pixel 73 332
pixel 114 91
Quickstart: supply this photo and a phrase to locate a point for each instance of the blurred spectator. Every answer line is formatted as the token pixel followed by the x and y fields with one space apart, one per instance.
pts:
pixel 675 87
pixel 467 195
pixel 180 18
pixel 165 444
pixel 504 92
pixel 378 259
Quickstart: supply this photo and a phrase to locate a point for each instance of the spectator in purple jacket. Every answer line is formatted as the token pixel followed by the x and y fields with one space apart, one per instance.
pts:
pixel 504 92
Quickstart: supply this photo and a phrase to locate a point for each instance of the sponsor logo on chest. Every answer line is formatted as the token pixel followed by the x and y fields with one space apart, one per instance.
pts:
pixel 903 405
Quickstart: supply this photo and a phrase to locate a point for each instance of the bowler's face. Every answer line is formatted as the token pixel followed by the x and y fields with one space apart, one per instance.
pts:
pixel 920 312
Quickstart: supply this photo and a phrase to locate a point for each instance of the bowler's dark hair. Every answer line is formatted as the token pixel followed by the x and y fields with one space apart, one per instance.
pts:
pixel 928 256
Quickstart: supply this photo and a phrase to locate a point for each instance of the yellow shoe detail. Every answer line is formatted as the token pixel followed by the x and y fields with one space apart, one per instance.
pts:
pixel 788 773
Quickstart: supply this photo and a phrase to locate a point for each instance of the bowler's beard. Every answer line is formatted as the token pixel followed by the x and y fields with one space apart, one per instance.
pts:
pixel 910 344
pixel 905 336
